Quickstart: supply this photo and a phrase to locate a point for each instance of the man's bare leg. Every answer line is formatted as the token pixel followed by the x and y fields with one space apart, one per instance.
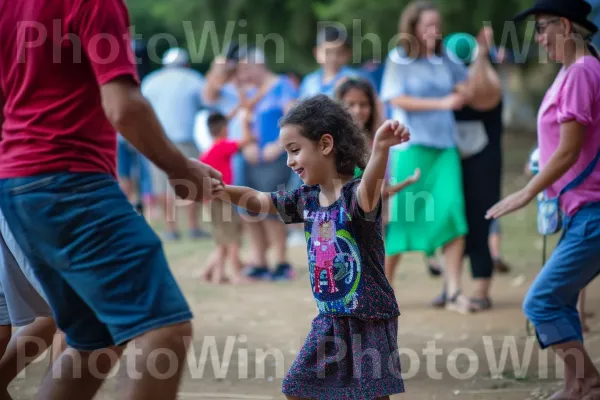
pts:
pixel 173 341
pixel 5 335
pixel 78 374
pixel 26 345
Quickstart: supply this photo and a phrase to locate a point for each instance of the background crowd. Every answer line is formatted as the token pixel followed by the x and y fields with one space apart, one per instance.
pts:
pixel 456 145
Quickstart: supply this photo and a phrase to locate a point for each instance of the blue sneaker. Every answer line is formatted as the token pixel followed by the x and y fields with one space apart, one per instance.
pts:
pixel 199 234
pixel 259 273
pixel 171 236
pixel 283 272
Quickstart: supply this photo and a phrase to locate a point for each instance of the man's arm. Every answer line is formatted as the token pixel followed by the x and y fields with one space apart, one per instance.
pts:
pixel 131 115
pixel 122 101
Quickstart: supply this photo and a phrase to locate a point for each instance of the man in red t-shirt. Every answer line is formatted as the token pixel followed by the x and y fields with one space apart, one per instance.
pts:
pixel 68 82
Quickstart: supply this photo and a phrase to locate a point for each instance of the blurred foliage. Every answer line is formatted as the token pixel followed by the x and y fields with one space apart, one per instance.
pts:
pixel 205 26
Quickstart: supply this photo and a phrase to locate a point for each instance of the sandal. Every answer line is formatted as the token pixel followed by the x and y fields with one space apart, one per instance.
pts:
pixel 501 267
pixel 481 304
pixel 459 303
pixel 440 301
pixel 435 270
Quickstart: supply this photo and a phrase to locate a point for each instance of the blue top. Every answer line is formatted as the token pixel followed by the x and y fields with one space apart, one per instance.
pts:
pixel 345 252
pixel 270 108
pixel 425 78
pixel 313 84
pixel 176 96
pixel 375 73
pixel 228 100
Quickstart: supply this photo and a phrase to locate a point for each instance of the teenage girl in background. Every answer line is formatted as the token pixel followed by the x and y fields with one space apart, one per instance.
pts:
pixel 359 97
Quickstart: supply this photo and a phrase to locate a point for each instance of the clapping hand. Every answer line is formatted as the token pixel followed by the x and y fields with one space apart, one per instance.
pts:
pixel 391 133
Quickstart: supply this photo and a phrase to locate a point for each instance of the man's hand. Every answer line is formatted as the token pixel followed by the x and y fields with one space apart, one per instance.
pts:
pixel 198 181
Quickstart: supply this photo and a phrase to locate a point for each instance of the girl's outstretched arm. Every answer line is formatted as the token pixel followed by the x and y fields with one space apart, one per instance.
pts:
pixel 389 134
pixel 247 198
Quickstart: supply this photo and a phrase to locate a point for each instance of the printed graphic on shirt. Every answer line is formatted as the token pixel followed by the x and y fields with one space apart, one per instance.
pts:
pixel 334 261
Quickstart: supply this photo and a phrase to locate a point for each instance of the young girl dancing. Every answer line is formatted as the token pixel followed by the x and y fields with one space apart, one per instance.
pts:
pixel 351 350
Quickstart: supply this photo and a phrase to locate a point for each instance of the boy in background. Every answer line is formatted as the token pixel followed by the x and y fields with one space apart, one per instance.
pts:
pixel 224 218
pixel 333 52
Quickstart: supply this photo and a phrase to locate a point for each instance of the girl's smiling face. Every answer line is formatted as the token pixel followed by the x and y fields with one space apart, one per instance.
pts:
pixel 312 161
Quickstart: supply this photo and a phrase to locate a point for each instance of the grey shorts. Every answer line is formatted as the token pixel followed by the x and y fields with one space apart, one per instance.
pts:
pixel 267 177
pixel 21 296
pixel 160 183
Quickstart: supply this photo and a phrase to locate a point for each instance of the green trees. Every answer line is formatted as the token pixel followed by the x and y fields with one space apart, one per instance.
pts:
pixel 288 27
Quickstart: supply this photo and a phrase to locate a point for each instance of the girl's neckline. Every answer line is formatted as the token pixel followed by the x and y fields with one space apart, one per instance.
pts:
pixel 339 198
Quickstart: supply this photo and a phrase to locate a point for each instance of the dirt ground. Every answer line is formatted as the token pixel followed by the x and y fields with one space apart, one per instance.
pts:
pixel 246 337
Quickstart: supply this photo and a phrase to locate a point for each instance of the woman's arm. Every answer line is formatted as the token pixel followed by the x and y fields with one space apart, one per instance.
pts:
pixel 455 101
pixel 219 73
pixel 483 89
pixel 393 91
pixel 393 189
pixel 572 136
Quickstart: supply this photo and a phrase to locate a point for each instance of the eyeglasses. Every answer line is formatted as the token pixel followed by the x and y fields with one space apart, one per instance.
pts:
pixel 541 25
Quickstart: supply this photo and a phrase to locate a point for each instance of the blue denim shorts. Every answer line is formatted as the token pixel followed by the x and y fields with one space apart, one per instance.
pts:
pixel 99 263
pixel 131 164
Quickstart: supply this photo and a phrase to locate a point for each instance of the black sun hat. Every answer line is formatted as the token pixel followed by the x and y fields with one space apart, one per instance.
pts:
pixel 576 11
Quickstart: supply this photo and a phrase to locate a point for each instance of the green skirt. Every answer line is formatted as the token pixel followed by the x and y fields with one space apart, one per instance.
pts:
pixel 430 213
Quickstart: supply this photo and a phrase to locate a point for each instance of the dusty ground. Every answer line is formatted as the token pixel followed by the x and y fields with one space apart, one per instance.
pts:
pixel 236 326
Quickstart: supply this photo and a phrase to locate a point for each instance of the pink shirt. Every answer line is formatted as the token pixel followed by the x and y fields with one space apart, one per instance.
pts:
pixel 574 95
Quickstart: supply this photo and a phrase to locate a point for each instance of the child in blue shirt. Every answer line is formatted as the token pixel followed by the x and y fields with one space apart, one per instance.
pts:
pixel 342 218
pixel 332 52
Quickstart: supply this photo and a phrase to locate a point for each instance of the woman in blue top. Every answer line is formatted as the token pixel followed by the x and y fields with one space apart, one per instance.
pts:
pixel 424 87
pixel 265 165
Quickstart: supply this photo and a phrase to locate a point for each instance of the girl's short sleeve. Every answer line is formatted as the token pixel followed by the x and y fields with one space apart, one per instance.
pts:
pixel 290 204
pixel 576 98
pixel 351 197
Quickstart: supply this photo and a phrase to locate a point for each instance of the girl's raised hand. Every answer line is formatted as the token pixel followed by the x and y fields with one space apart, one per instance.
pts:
pixel 391 133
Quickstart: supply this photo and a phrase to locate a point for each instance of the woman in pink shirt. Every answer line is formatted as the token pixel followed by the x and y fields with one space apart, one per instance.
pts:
pixel 569 141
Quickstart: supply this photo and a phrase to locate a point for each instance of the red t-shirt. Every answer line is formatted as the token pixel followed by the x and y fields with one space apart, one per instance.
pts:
pixel 54 57
pixel 219 157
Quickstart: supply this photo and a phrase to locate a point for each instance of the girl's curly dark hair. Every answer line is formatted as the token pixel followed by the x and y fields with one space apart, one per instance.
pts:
pixel 320 115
